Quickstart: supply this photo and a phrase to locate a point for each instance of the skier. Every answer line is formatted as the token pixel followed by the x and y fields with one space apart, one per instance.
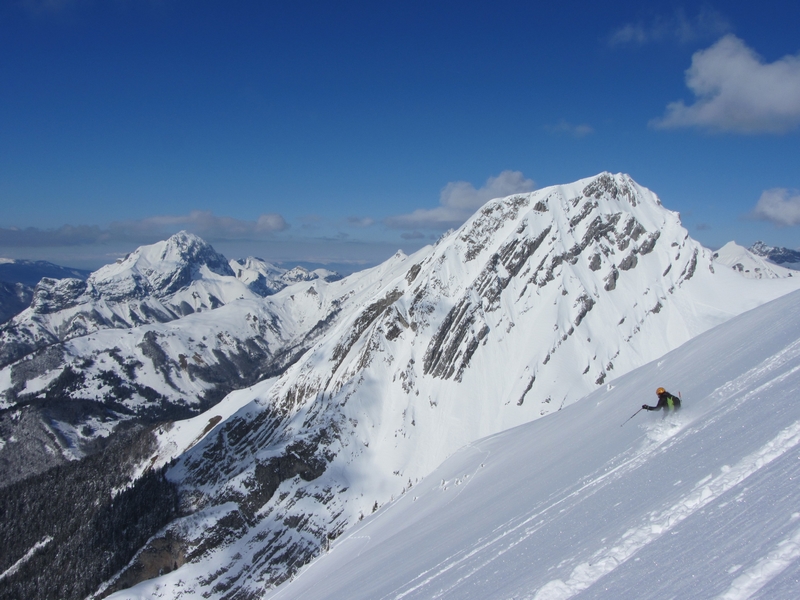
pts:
pixel 666 401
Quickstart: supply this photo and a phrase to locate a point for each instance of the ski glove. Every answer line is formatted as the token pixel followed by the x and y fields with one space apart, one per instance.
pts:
pixel 644 406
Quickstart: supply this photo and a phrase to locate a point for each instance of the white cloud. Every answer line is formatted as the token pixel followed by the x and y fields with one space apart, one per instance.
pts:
pixel 205 224
pixel 708 23
pixel 736 91
pixel 780 206
pixel 271 222
pixel 459 199
pixel 577 131
pixel 66 235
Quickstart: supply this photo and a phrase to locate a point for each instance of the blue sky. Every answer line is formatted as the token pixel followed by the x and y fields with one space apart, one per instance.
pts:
pixel 338 132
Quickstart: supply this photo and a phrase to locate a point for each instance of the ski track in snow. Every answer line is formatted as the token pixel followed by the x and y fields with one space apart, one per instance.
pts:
pixel 754 578
pixel 707 490
pixel 659 439
pixel 535 519
pixel 732 391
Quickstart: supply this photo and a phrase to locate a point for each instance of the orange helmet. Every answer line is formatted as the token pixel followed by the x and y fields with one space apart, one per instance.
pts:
pixel 660 391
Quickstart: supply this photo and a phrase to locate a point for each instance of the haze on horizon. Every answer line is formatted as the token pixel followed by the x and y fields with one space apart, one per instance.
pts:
pixel 335 135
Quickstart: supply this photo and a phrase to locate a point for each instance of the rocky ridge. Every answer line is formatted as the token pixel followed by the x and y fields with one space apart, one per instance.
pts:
pixel 780 256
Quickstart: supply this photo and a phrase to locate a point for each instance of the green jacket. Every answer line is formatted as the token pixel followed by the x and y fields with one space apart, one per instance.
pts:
pixel 666 401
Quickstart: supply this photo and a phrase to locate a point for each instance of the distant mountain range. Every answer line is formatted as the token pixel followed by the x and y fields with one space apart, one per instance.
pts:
pixel 132 342
pixel 315 401
pixel 18 278
pixel 30 272
pixel 750 264
pixel 780 256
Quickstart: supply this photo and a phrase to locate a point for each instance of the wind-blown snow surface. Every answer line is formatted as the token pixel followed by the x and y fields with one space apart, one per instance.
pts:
pixel 536 301
pixel 702 505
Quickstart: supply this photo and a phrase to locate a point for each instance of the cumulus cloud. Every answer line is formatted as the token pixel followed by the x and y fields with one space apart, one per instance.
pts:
pixel 736 91
pixel 779 206
pixel 459 199
pixel 708 23
pixel 565 127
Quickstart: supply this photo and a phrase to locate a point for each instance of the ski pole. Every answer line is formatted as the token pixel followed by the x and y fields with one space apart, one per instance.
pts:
pixel 633 415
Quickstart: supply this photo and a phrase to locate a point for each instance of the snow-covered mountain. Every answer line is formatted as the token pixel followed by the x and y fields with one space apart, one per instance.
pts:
pixel 154 284
pixel 536 301
pixel 30 272
pixel 162 334
pixel 590 502
pixel 748 264
pixel 18 278
pixel 780 256
pixel 265 278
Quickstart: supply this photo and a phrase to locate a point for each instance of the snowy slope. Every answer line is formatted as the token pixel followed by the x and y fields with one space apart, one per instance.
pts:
pixel 704 505
pixel 536 301
pixel 748 264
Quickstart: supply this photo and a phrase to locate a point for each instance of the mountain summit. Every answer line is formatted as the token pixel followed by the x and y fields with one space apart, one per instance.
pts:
pixel 155 284
pixel 537 300
pixel 162 334
pixel 160 269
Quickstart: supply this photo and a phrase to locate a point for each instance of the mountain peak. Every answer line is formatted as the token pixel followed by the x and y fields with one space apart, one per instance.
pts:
pixel 780 256
pixel 750 264
pixel 160 269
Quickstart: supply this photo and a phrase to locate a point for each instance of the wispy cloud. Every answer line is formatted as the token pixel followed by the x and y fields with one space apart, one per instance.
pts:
pixel 66 235
pixel 567 128
pixel 459 199
pixel 360 221
pixel 203 223
pixel 779 206
pixel 708 23
pixel 737 92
